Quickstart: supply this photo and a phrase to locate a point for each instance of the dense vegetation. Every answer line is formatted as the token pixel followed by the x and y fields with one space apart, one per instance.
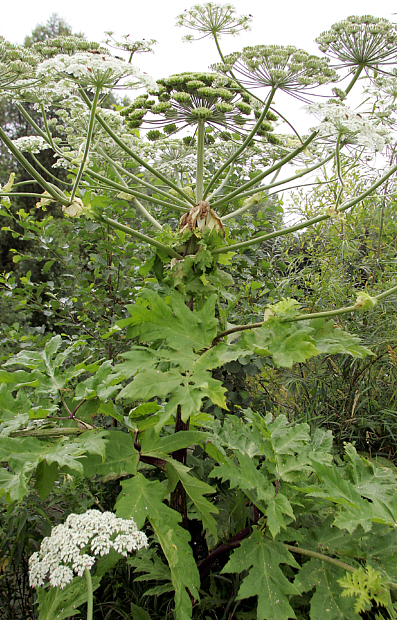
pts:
pixel 175 354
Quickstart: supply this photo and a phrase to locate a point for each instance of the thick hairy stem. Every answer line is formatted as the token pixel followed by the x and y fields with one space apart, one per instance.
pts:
pixel 87 144
pixel 32 171
pixel 90 601
pixel 178 499
pixel 200 161
pixel 302 317
pixel 306 223
pixel 243 146
pixel 354 80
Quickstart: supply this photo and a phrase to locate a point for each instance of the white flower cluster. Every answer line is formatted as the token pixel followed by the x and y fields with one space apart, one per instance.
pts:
pixel 66 551
pixel 95 70
pixel 31 144
pixel 340 120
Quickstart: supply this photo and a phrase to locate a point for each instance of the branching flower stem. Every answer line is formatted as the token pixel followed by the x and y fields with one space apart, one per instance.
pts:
pixel 244 145
pixel 132 176
pixel 200 161
pixel 264 174
pixel 222 185
pixel 306 223
pixel 32 171
pixel 49 136
pixel 136 157
pixel 275 184
pixel 302 317
pixel 90 130
pixel 140 206
pixel 138 235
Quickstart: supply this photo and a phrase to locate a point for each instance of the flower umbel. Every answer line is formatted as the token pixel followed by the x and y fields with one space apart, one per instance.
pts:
pixel 213 19
pixel 364 41
pixel 342 121
pixel 67 551
pixel 287 68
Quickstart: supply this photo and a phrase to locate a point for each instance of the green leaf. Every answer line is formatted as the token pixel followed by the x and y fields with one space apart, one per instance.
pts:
pixel 141 498
pixel 151 383
pixel 327 601
pixel 195 489
pixel 58 603
pixel 331 339
pixel 45 478
pixel 138 613
pixel 121 458
pixel 151 442
pixel 176 324
pixel 262 557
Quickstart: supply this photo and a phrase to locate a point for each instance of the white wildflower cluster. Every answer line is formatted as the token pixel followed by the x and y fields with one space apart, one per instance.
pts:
pixel 340 120
pixel 94 70
pixel 31 144
pixel 66 551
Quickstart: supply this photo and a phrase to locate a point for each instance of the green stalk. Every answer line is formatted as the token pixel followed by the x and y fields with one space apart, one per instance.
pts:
pixel 275 184
pixel 11 194
pixel 306 223
pixel 87 144
pixel 109 183
pixel 264 174
pixel 355 78
pixel 51 141
pixel 301 317
pixel 334 561
pixel 29 168
pixel 140 206
pixel 140 181
pixel 90 601
pixel 138 235
pixel 136 157
pixel 200 161
pixel 339 171
pixel 241 148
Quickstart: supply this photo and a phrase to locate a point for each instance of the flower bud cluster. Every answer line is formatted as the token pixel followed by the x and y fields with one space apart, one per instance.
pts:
pixel 360 41
pixel 341 121
pixel 16 63
pixel 287 68
pixel 185 99
pixel 67 551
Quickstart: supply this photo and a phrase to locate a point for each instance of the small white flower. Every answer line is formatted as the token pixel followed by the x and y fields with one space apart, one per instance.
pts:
pixel 94 70
pixel 67 551
pixel 340 120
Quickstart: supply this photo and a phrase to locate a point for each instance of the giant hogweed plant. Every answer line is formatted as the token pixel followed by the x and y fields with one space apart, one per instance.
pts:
pixel 248 516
